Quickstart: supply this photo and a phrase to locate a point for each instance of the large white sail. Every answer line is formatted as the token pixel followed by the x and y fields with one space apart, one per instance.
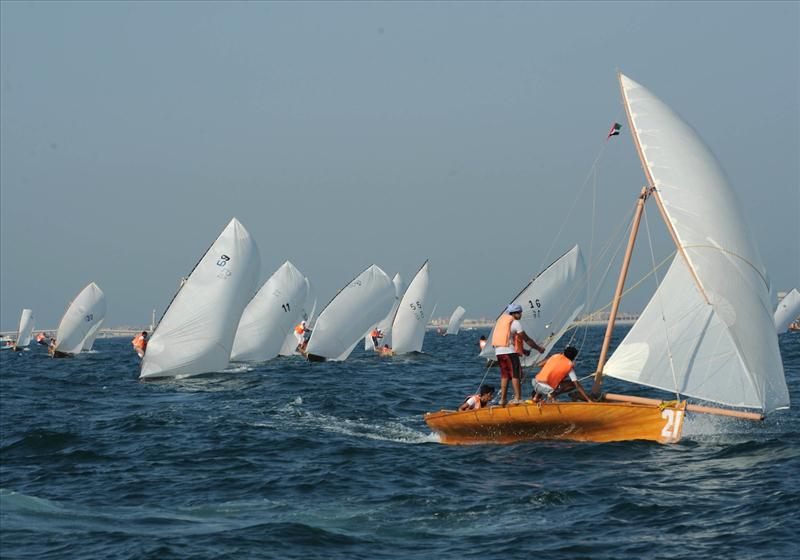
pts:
pixel 289 346
pixel 550 303
pixel 385 325
pixel 88 342
pixel 25 328
pixel 86 310
pixel 737 328
pixel 273 311
pixel 408 328
pixel 196 333
pixel 455 320
pixel 350 314
pixel 788 310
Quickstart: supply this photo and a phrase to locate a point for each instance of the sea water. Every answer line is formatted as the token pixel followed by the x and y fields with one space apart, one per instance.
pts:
pixel 289 459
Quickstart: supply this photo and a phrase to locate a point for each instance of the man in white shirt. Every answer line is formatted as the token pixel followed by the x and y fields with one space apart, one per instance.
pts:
pixel 507 339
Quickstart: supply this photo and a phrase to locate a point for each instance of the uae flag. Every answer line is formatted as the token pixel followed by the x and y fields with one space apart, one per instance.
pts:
pixel 614 130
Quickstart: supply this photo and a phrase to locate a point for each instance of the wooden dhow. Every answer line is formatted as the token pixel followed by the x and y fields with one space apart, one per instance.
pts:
pixel 708 331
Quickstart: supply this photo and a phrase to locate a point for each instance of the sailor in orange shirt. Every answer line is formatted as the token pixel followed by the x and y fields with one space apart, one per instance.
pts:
pixel 508 338
pixel 376 335
pixel 300 334
pixel 140 343
pixel 549 382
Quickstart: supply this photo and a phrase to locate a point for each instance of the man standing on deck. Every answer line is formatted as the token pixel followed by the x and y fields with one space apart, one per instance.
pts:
pixel 140 343
pixel 507 339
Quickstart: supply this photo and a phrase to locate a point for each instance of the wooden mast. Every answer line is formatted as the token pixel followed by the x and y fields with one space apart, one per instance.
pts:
pixel 623 273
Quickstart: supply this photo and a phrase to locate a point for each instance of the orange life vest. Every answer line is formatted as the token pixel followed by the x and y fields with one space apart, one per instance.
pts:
pixel 477 401
pixel 555 369
pixel 502 333
pixel 40 337
pixel 299 329
pixel 139 342
pixel 376 334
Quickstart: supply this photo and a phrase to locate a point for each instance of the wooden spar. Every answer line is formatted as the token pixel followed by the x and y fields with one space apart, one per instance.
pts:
pixel 690 407
pixel 623 273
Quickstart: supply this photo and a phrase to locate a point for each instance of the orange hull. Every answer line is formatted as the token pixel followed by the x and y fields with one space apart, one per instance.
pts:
pixel 576 421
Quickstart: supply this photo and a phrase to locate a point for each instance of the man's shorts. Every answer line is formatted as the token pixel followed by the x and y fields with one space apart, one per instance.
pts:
pixel 509 366
pixel 542 388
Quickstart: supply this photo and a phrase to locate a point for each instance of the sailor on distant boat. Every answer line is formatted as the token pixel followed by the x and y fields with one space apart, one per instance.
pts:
pixel 482 342
pixel 474 402
pixel 42 339
pixel 549 382
pixel 376 335
pixel 302 338
pixel 140 343
pixel 508 341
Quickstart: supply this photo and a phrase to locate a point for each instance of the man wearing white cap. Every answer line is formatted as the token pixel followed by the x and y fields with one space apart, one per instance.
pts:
pixel 507 339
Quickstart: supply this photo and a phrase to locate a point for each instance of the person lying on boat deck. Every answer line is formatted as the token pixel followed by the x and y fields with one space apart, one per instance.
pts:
pixel 482 342
pixel 376 335
pixel 508 341
pixel 549 382
pixel 140 343
pixel 474 402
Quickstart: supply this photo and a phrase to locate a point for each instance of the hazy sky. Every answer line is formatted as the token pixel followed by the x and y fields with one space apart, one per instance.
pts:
pixel 343 134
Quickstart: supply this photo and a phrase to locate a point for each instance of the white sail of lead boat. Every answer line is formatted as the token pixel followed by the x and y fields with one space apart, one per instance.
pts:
pixel 787 311
pixel 88 342
pixel 550 303
pixel 455 321
pixel 289 346
pixel 708 332
pixel 385 325
pixel 83 314
pixel 25 329
pixel 273 311
pixel 408 328
pixel 350 315
pixel 196 333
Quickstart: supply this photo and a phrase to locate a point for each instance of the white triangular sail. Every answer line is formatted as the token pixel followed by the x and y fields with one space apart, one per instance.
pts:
pixel 86 310
pixel 25 328
pixel 273 311
pixel 385 325
pixel 408 328
pixel 350 314
pixel 455 320
pixel 289 346
pixel 196 333
pixel 710 228
pixel 88 342
pixel 550 303
pixel 787 311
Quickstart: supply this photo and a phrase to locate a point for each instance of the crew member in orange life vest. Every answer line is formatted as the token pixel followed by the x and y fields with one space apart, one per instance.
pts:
pixel 474 402
pixel 377 335
pixel 300 335
pixel 42 339
pixel 549 382
pixel 507 339
pixel 140 343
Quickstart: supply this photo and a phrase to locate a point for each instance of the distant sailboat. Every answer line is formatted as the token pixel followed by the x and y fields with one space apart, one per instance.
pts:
pixel 385 325
pixel 273 311
pixel 82 317
pixel 455 321
pixel 408 329
pixel 196 333
pixel 350 314
pixel 708 331
pixel 25 330
pixel 550 303
pixel 787 311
